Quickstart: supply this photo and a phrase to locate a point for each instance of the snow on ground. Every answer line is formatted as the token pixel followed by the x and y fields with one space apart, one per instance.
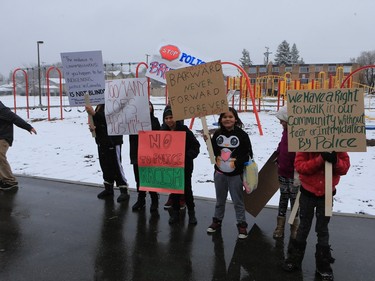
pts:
pixel 64 149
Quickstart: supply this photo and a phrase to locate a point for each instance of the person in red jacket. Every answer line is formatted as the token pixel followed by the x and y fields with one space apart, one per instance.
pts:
pixel 311 169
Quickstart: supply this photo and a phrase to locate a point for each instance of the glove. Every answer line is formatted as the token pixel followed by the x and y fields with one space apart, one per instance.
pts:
pixel 329 157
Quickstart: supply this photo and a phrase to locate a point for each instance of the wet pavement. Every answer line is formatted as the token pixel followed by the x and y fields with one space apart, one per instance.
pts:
pixel 52 230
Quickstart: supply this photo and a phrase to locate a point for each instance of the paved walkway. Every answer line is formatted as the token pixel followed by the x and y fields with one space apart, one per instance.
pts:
pixel 52 230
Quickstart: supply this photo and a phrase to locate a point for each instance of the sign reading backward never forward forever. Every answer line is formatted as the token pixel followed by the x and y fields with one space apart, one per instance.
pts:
pixel 197 91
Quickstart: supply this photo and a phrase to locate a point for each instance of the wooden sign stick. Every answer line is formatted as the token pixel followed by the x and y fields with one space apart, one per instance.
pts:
pixel 328 189
pixel 295 208
pixel 208 141
pixel 91 120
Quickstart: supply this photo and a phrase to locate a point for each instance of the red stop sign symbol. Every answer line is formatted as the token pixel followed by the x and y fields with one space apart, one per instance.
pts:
pixel 169 52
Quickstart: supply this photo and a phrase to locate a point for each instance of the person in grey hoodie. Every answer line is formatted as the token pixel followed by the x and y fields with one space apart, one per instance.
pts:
pixel 7 119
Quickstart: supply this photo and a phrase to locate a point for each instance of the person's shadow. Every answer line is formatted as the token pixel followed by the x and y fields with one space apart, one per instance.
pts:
pixel 110 261
pixel 254 258
pixel 10 237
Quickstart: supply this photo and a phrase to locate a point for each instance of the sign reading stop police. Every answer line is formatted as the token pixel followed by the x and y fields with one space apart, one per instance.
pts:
pixel 170 52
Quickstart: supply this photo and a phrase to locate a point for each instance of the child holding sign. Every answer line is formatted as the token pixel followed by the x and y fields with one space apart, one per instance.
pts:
pixel 311 169
pixel 232 148
pixel 133 150
pixel 288 188
pixel 191 152
pixel 109 150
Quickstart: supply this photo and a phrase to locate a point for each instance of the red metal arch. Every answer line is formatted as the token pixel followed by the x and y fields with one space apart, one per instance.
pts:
pixel 354 72
pixel 26 90
pixel 48 92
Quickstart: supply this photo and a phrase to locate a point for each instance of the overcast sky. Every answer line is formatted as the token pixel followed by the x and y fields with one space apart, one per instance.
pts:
pixel 125 31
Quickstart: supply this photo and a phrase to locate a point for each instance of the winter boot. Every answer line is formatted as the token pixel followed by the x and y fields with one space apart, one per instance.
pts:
pixel 174 216
pixel 107 192
pixel 279 231
pixel 323 260
pixel 294 228
pixel 141 201
pixel 154 202
pixel 296 252
pixel 124 194
pixel 192 218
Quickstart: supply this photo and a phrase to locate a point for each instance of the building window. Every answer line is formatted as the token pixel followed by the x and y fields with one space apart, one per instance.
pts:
pixel 303 69
pixel 275 69
pixel 288 69
pixel 262 70
pixel 253 80
pixel 347 69
pixel 253 70
pixel 318 68
pixel 331 68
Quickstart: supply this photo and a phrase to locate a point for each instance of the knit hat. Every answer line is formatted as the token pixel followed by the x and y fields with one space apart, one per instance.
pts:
pixel 167 111
pixel 282 114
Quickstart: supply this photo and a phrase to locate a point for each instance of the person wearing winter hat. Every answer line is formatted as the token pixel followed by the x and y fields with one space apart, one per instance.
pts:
pixel 288 188
pixel 192 147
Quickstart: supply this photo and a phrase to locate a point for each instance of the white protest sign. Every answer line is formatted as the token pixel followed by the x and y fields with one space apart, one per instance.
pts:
pixel 84 72
pixel 126 106
pixel 170 57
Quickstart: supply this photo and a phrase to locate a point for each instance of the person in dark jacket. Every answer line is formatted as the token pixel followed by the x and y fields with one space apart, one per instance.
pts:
pixel 232 149
pixel 192 147
pixel 109 150
pixel 133 142
pixel 7 119
pixel 311 169
pixel 288 186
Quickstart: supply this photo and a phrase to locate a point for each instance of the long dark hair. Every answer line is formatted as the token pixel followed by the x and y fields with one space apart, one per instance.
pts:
pixel 238 120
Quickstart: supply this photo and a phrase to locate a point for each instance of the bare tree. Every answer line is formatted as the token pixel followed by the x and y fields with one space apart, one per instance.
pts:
pixel 368 75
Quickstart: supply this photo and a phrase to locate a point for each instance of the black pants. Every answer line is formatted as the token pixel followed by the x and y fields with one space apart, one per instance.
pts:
pixel 188 192
pixel 110 163
pixel 310 205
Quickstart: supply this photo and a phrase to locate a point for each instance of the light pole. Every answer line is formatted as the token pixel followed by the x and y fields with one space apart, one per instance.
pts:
pixel 39 76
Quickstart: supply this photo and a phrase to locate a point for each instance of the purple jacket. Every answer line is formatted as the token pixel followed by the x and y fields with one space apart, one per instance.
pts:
pixel 285 159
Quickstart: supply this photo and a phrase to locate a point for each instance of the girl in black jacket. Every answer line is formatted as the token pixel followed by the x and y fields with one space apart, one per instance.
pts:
pixel 191 152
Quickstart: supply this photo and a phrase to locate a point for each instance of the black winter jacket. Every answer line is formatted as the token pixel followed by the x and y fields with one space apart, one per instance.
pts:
pixel 7 119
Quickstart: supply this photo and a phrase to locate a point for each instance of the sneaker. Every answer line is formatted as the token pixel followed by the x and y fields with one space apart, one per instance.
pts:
pixel 8 186
pixel 182 202
pixel 242 231
pixel 215 226
pixel 169 203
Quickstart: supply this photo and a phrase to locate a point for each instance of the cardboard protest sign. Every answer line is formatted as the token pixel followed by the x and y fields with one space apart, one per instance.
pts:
pixel 268 184
pixel 326 120
pixel 197 91
pixel 84 73
pixel 170 57
pixel 161 161
pixel 126 106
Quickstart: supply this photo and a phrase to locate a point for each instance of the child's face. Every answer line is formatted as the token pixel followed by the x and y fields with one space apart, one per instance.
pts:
pixel 170 122
pixel 228 120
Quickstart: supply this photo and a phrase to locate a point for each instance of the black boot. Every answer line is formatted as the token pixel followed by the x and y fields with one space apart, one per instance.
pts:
pixel 107 192
pixel 323 261
pixel 141 202
pixel 296 252
pixel 124 194
pixel 174 216
pixel 154 202
pixel 192 218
